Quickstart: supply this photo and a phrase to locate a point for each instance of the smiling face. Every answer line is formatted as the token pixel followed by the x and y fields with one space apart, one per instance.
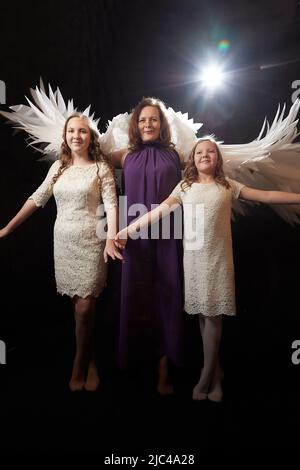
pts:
pixel 78 135
pixel 149 124
pixel 206 157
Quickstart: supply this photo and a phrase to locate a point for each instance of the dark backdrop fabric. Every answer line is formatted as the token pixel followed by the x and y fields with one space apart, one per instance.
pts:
pixel 111 53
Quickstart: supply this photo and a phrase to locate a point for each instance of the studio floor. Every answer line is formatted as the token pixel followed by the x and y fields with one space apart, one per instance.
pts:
pixel 261 409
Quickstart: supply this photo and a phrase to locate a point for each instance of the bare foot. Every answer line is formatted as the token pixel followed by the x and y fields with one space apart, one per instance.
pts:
pixel 198 393
pixel 164 388
pixel 77 379
pixel 200 390
pixel 76 383
pixel 92 381
pixel 216 392
pixel 163 385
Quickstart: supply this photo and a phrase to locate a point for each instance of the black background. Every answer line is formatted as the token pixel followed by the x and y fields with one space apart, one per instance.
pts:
pixel 110 54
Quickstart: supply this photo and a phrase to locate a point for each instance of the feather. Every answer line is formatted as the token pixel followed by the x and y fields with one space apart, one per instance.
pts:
pixel 270 162
pixel 44 118
pixel 183 132
pixel 116 135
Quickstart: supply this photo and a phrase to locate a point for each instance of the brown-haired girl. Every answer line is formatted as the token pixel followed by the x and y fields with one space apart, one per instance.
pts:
pixel 80 181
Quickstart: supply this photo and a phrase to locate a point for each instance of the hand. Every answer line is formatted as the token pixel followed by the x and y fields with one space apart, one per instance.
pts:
pixel 4 232
pixel 121 239
pixel 111 250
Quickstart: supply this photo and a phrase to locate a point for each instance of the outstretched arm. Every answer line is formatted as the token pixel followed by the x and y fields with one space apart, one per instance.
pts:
pixel 28 208
pixel 164 209
pixel 269 197
pixel 37 199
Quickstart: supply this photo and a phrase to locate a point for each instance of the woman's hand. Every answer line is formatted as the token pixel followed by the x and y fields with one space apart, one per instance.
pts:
pixel 111 250
pixel 121 239
pixel 4 232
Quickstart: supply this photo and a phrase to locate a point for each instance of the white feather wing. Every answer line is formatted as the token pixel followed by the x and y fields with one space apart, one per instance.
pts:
pixel 44 117
pixel 183 132
pixel 270 162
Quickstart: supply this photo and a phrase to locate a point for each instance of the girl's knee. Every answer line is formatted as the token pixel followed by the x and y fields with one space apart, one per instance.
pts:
pixel 83 308
pixel 216 320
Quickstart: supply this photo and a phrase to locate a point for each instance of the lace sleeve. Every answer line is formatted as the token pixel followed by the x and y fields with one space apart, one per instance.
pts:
pixel 45 190
pixel 235 187
pixel 177 192
pixel 108 187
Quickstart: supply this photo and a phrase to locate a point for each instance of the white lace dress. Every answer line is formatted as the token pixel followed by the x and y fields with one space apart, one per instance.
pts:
pixel 78 251
pixel 208 260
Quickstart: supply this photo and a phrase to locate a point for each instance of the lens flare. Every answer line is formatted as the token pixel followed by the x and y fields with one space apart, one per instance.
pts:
pixel 212 77
pixel 223 45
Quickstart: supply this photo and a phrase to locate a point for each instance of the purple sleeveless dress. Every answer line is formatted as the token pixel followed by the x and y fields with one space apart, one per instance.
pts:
pixel 151 318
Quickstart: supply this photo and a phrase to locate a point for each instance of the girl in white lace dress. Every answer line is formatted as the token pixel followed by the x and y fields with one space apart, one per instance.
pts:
pixel 81 180
pixel 207 195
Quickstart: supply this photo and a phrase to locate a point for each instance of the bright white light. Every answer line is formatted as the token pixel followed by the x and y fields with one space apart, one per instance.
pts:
pixel 212 77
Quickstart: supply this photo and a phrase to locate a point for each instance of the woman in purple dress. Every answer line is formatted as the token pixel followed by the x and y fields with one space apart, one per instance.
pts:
pixel 151 318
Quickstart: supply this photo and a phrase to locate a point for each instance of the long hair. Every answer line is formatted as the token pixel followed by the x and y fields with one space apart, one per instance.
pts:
pixel 191 173
pixel 135 141
pixel 94 150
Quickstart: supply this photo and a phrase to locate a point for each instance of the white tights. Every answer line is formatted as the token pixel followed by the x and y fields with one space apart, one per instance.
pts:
pixel 211 331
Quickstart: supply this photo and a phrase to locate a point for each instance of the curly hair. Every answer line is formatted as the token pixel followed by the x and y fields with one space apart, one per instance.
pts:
pixel 190 174
pixel 94 149
pixel 135 141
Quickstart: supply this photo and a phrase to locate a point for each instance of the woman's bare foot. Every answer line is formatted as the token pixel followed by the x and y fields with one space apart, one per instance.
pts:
pixel 92 380
pixel 164 388
pixel 163 385
pixel 77 379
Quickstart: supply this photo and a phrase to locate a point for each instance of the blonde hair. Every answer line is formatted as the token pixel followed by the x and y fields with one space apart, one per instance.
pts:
pixel 191 173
